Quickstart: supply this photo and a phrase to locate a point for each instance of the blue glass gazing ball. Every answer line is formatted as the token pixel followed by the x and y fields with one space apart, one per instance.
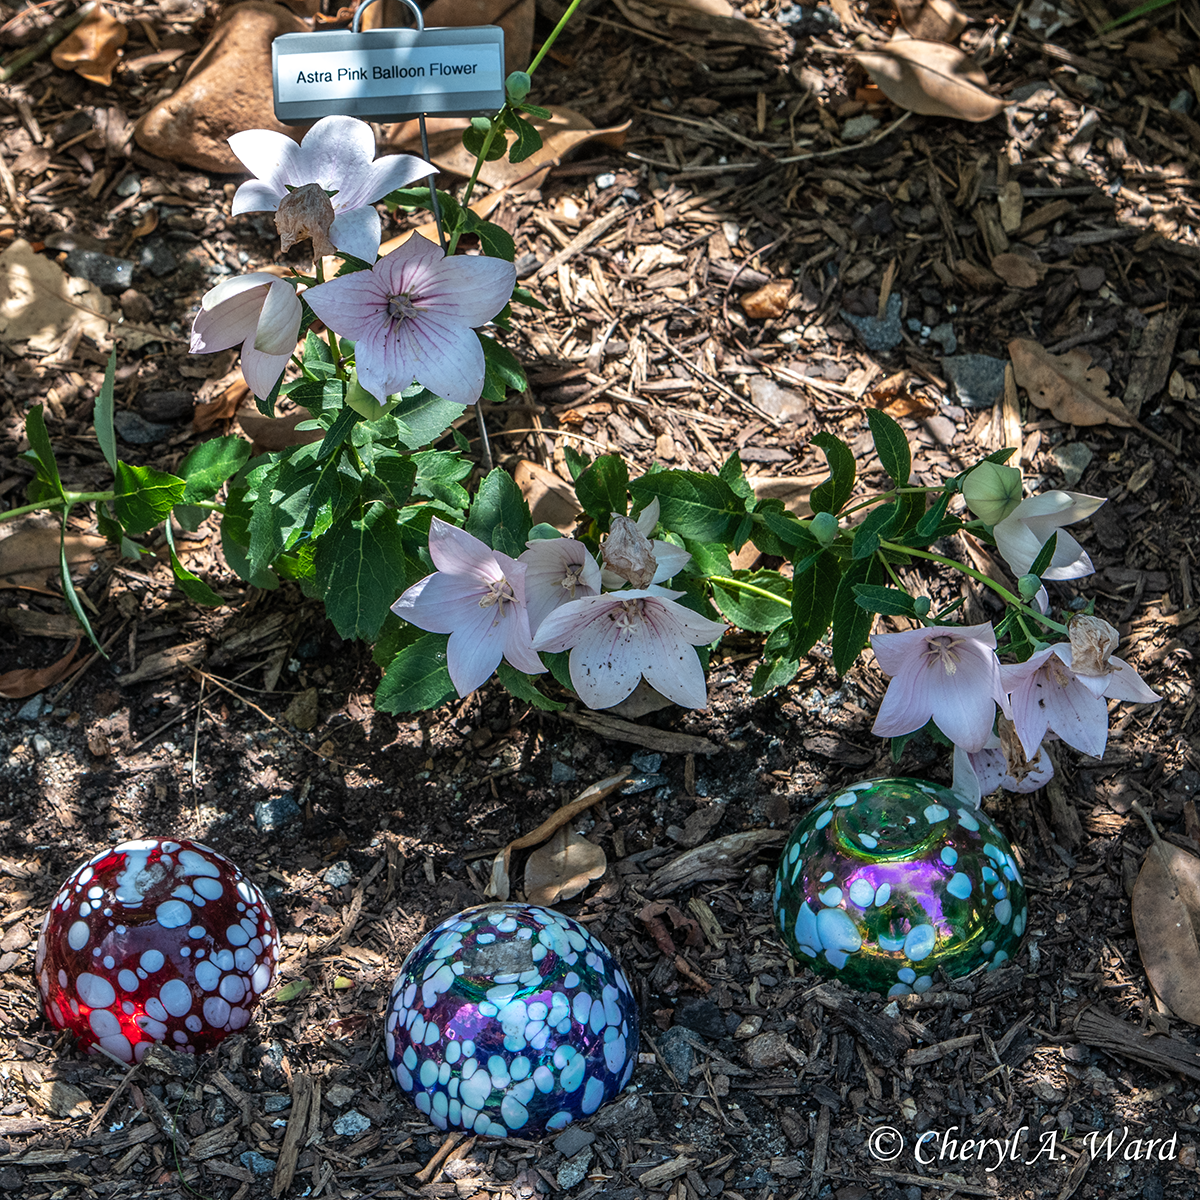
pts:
pixel 888 880
pixel 510 1018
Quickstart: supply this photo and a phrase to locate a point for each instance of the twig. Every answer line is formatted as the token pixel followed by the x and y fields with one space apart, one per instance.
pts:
pixel 846 149
pixel 47 41
pixel 78 673
pixel 267 716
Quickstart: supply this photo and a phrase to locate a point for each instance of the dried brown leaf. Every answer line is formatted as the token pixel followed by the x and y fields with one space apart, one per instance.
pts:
pixel 93 48
pixel 1066 384
pixel 931 78
pixel 28 681
pixel 562 867
pixel 41 304
pixel 29 556
pixel 1018 271
pixel 935 20
pixel 1166 910
pixel 277 433
pixel 551 499
pixel 770 300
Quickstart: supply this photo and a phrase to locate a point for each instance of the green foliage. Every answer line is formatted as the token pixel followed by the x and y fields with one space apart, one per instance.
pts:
pixel 144 497
pixel 102 416
pixel 891 445
pixel 500 516
pixel 601 489
pixel 416 679
pixel 832 495
pixel 698 507
pixel 42 454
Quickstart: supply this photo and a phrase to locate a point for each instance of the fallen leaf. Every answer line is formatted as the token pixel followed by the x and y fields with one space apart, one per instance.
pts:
pixel 223 408
pixel 1166 908
pixel 28 681
pixel 895 396
pixel 30 556
pixel 1018 271
pixel 483 207
pixel 551 499
pixel 277 433
pixel 707 21
pixel 562 867
pixel 41 304
pixel 565 131
pixel 936 20
pixel 93 48
pixel 931 78
pixel 793 490
pixel 303 711
pixel 1067 384
pixel 499 886
pixel 770 300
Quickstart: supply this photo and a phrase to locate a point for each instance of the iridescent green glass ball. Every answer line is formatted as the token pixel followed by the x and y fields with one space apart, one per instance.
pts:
pixel 887 880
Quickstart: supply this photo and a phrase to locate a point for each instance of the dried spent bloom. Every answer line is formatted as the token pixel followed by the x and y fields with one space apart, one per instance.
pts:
pixel 617 638
pixel 992 491
pixel 306 213
pixel 477 596
pixel 947 673
pixel 337 154
pixel 413 316
pixel 668 557
pixel 557 571
pixel 627 552
pixel 1028 527
pixel 979 773
pixel 259 310
pixel 1093 641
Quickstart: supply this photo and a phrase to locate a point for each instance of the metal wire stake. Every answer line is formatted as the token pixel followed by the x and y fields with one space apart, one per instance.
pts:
pixel 419 17
pixel 485 446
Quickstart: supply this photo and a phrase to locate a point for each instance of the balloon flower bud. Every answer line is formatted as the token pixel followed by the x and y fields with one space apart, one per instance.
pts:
pixel 1029 586
pixel 921 606
pixel 992 491
pixel 824 528
pixel 363 403
pixel 517 86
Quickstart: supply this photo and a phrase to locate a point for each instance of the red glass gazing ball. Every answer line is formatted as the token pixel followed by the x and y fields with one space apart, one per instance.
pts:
pixel 155 941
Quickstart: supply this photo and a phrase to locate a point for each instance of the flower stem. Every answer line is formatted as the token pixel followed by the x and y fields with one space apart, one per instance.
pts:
pixel 537 58
pixel 59 502
pixel 882 496
pixel 979 577
pixel 725 581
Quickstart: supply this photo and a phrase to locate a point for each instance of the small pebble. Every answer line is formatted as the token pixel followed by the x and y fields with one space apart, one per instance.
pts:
pixel 351 1124
pixel 676 1048
pixel 1182 102
pixel 273 814
pixel 32 709
pixel 258 1163
pixel 561 772
pixel 274 1104
pixel 646 762
pixel 977 380
pixel 574 1170
pixel 606 180
pixel 572 1140
pixel 109 274
pixel 1073 458
pixel 41 745
pixel 857 128
pixel 339 1095
pixel 878 336
pixel 338 875
pixel 945 337
pixel 129 186
pixel 137 431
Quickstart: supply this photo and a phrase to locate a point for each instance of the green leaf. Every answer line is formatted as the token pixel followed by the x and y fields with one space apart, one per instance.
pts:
pixel 831 496
pixel 577 461
pixel 499 515
pixel 1044 555
pixel 338 432
pixel 192 586
pixel 731 471
pixel 787 528
pixel 359 567
pixel 395 474
pixel 266 404
pixel 502 370
pixel 43 452
pixel 102 416
pixel 522 295
pixel 495 242
pixel 235 540
pixel 475 136
pixel 560 667
pixel 891 445
pixel 522 686
pixel 417 678
pixel 144 497
pixel 755 614
pixel 698 507
pixel 601 489
pixel 872 529
pixel 534 110
pixel 68 587
pixel 528 142
pixel 891 602
pixel 438 475
pixel 814 583
pixel 210 464
pixel 708 558
pixel 933 517
pixel 772 674
pixel 852 624
pixel 317 357
pixel 424 417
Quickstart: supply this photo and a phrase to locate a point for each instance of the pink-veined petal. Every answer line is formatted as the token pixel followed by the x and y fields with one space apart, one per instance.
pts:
pixel 1072 711
pixel 458 552
pixel 350 302
pixel 336 153
pixel 1028 717
pixel 262 371
pixel 518 644
pixel 475 649
pixel 605 663
pixel 467 289
pixel 563 628
pixel 358 232
pixel 410 265
pixel 271 157
pixel 547 563
pixel 906 705
pixel 669 662
pixel 964 704
pixel 391 172
pixel 447 359
pixel 895 651
pixel 440 603
pixel 279 323
pixel 1126 684
pixel 1069 560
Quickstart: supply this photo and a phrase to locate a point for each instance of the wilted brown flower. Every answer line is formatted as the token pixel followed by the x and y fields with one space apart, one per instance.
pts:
pixel 1092 643
pixel 627 552
pixel 306 213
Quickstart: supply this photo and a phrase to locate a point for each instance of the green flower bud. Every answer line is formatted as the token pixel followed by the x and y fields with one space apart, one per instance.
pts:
pixel 1029 586
pixel 921 606
pixel 825 528
pixel 363 403
pixel 517 86
pixel 992 491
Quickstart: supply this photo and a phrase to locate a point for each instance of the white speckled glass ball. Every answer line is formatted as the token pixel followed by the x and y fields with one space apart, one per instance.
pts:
pixel 511 1018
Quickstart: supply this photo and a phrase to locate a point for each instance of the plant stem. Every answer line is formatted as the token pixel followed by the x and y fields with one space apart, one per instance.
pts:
pixel 903 491
pixel 725 581
pixel 480 159
pixel 59 502
pixel 47 41
pixel 537 58
pixel 979 577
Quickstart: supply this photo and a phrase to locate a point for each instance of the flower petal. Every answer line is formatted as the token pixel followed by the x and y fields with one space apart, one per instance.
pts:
pixel 279 323
pixel 475 649
pixel 1126 684
pixel 564 627
pixel 357 231
pixel 669 663
pixel 336 153
pixel 964 704
pixel 1072 711
pixel 467 289
pixel 256 196
pixel 671 559
pixel 272 157
pixel 457 552
pixel 262 371
pixel 547 564
pixel 394 171
pixel 648 517
pixel 440 603
pixel 606 662
pixel 518 644
pixel 967 784
pixel 445 358
pixel 894 651
pixel 906 705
